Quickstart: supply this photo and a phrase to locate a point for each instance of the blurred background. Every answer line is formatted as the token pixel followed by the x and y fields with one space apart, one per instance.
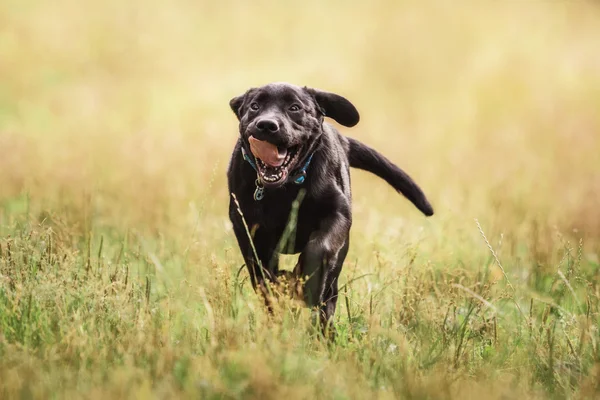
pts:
pixel 115 114
pixel 119 270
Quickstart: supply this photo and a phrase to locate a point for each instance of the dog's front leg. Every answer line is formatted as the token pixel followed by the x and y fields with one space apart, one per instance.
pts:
pixel 262 261
pixel 262 271
pixel 320 263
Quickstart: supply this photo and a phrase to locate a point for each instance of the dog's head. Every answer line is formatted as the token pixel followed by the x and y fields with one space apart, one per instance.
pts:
pixel 281 124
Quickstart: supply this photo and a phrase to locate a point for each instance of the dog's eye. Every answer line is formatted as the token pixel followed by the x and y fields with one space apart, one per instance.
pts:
pixel 254 106
pixel 294 107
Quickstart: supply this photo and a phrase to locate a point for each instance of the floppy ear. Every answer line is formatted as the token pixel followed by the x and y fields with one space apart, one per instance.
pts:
pixel 236 104
pixel 336 107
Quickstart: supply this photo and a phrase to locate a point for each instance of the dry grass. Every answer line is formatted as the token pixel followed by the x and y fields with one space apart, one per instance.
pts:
pixel 119 272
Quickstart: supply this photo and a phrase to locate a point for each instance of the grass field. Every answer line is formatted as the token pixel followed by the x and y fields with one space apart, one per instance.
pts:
pixel 120 276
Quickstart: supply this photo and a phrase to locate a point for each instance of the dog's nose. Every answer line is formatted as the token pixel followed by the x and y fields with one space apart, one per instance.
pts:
pixel 269 125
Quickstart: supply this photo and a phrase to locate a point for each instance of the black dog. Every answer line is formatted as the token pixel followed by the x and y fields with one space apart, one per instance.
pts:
pixel 298 151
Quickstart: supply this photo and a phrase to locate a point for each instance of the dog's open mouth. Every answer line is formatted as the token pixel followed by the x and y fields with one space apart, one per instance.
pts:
pixel 273 162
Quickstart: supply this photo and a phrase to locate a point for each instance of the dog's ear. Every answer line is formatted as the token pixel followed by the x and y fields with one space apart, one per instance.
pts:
pixel 236 104
pixel 335 106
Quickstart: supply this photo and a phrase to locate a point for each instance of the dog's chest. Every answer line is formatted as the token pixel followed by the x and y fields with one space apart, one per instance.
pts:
pixel 278 212
pixel 274 210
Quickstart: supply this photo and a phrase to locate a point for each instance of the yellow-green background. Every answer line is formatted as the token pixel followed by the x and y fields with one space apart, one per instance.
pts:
pixel 118 266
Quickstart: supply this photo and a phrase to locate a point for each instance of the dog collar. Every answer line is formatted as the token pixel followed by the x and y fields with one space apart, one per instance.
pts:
pixel 247 158
pixel 301 175
pixel 259 193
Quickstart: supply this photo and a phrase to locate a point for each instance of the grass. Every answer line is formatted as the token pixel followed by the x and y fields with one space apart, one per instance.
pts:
pixel 119 272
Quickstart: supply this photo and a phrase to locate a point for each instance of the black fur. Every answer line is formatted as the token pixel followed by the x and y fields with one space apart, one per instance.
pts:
pixel 294 117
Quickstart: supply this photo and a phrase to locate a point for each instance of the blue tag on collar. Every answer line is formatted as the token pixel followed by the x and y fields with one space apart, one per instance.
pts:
pixel 259 193
pixel 299 180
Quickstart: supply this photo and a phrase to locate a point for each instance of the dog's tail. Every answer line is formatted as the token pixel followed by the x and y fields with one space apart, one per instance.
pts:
pixel 363 157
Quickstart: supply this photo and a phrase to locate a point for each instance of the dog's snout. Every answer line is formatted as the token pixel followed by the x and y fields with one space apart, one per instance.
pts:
pixel 267 125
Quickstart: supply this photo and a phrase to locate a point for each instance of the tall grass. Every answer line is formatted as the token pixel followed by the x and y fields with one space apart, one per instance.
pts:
pixel 119 271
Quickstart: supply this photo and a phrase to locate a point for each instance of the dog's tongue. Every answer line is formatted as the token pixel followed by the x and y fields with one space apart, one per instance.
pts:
pixel 267 152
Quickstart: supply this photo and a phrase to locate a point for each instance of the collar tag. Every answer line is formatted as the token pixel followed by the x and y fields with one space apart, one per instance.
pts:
pixel 300 178
pixel 259 193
